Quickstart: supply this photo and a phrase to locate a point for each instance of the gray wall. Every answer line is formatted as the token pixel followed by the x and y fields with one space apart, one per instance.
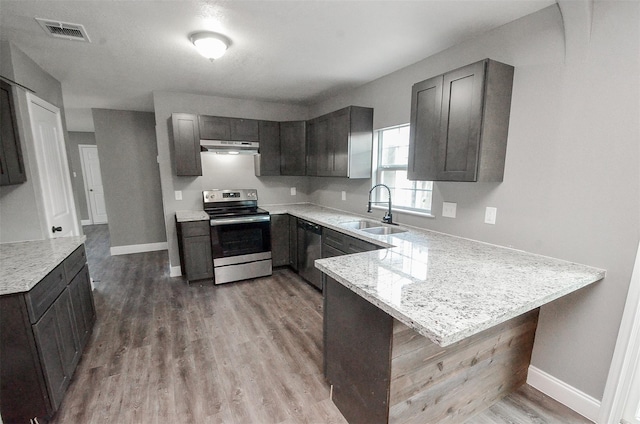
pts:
pixel 127 148
pixel 21 206
pixel 218 171
pixel 572 180
pixel 77 179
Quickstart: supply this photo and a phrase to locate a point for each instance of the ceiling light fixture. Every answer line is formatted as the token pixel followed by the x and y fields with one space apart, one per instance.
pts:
pixel 210 44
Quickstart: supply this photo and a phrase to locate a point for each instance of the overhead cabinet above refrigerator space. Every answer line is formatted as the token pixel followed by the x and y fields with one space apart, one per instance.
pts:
pixel 460 123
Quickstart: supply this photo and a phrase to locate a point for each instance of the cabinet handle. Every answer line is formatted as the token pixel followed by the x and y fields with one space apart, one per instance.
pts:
pixel 54 229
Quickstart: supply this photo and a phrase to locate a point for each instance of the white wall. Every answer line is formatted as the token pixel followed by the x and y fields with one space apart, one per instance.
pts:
pixel 218 171
pixel 572 182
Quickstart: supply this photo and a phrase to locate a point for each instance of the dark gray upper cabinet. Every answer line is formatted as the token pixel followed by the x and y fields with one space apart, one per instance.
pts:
pixel 269 159
pixel 214 128
pixel 11 163
pixel 244 129
pixel 460 123
pixel 228 129
pixel 293 148
pixel 340 143
pixel 186 143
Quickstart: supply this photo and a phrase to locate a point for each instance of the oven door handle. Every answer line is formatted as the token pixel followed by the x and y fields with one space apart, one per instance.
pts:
pixel 243 220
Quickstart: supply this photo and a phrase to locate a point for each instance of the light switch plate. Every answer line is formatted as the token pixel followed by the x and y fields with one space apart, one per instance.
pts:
pixel 178 194
pixel 344 195
pixel 449 209
pixel 293 191
pixel 490 215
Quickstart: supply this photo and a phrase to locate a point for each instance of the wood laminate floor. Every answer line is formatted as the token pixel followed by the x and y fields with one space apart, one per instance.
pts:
pixel 241 353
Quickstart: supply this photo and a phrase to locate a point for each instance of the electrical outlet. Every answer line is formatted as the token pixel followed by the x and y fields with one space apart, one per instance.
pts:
pixel 449 209
pixel 178 194
pixel 490 215
pixel 293 191
pixel 344 195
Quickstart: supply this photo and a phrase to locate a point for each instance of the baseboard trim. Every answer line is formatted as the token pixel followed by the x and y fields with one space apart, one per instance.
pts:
pixel 567 395
pixel 175 271
pixel 84 222
pixel 138 248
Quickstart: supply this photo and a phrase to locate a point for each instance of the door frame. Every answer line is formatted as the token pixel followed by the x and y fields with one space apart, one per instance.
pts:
pixel 81 148
pixel 41 170
pixel 626 354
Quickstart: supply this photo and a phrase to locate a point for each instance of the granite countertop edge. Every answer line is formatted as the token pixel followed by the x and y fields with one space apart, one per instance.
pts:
pixel 23 264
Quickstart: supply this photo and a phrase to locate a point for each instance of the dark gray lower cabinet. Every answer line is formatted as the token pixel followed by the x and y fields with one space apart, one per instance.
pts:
pixel 194 242
pixel 335 243
pixel 293 242
pixel 359 376
pixel 280 240
pixel 44 332
pixel 56 337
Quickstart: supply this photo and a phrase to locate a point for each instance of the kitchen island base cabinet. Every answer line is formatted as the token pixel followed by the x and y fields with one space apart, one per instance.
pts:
pixel 385 372
pixel 43 333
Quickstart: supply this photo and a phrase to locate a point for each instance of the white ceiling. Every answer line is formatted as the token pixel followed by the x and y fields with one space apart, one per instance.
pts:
pixel 286 51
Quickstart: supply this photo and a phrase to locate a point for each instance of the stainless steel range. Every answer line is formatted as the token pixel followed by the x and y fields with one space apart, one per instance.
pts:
pixel 240 234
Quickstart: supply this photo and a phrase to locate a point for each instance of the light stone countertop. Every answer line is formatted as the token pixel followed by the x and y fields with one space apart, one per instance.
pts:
pixel 186 216
pixel 446 288
pixel 24 264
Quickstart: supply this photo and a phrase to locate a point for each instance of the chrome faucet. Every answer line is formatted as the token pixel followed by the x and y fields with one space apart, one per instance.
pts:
pixel 388 217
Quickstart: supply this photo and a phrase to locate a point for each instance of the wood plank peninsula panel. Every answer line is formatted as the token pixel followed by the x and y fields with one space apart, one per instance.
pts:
pixel 385 372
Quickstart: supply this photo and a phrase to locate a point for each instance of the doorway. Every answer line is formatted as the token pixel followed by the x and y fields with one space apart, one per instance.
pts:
pixel 93 188
pixel 53 169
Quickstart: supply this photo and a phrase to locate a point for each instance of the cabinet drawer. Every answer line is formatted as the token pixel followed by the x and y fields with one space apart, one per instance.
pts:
pixel 74 263
pixel 40 297
pixel 355 245
pixel 195 228
pixel 334 239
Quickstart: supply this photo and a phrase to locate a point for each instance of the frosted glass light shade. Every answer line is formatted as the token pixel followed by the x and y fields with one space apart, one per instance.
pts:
pixel 210 44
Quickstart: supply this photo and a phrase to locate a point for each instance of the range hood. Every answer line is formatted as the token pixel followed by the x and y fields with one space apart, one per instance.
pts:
pixel 230 147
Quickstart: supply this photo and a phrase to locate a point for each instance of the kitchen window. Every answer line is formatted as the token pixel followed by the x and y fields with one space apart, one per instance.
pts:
pixel 391 169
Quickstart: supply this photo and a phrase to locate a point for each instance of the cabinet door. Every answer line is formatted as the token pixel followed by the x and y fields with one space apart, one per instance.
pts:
pixel 280 240
pixel 338 155
pixel 11 163
pixel 293 148
pixel 293 242
pixel 312 149
pixel 269 148
pixel 83 306
pixel 323 147
pixel 186 142
pixel 244 129
pixel 214 127
pixel 426 108
pixel 460 123
pixel 56 338
pixel 197 258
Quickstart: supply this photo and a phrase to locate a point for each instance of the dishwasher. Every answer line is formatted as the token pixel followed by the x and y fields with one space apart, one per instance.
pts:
pixel 309 249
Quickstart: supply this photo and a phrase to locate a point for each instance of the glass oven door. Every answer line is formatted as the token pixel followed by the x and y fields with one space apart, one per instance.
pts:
pixel 240 236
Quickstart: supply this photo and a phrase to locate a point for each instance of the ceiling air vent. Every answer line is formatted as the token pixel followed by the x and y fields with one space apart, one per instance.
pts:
pixel 64 30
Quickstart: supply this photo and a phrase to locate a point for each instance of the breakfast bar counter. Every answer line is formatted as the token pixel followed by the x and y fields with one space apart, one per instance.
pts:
pixel 432 327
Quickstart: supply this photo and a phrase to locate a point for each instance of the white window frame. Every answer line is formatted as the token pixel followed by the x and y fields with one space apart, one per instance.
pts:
pixel 380 194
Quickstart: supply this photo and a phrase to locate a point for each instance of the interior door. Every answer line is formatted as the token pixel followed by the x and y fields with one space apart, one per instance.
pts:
pixel 93 183
pixel 631 413
pixel 53 169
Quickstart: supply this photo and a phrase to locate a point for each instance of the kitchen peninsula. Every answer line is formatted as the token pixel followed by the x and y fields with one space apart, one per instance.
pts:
pixel 434 328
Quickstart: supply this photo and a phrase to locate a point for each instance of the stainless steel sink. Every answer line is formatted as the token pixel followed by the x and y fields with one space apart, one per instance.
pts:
pixel 383 230
pixel 359 225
